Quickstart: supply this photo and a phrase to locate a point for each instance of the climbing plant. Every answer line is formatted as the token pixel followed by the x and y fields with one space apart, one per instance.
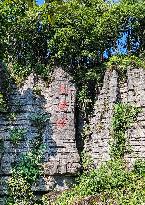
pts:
pixel 24 176
pixel 123 118
pixel 121 63
pixel 3 104
pixel 17 135
pixel 28 170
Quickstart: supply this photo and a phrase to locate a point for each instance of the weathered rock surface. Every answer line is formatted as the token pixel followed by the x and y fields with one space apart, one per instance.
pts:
pixel 132 91
pixel 57 100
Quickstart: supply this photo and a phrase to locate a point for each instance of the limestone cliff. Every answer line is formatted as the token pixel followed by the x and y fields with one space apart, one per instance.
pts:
pixel 61 161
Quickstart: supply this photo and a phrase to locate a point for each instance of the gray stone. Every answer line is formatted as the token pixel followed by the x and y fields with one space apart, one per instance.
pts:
pixel 58 101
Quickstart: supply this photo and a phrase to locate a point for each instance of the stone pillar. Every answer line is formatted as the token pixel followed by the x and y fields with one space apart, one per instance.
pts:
pixel 131 91
pixel 98 143
pixel 57 99
pixel 136 97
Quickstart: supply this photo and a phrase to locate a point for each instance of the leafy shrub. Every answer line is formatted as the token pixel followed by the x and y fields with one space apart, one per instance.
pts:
pixel 140 167
pixel 39 120
pixel 112 183
pixel 123 118
pixel 17 134
pixel 3 104
pixel 24 175
pixel 27 171
pixel 122 62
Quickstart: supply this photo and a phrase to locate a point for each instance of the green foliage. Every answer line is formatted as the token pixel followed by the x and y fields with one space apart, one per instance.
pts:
pixel 23 177
pixel 29 167
pixel 87 162
pixel 140 167
pixel 17 134
pixel 121 63
pixel 27 171
pixel 75 28
pixel 39 120
pixel 37 90
pixel 18 72
pixel 86 131
pixel 111 183
pixel 72 33
pixel 87 80
pixel 125 61
pixel 12 116
pixel 1 145
pixel 84 99
pixel 22 53
pixel 123 118
pixel 3 104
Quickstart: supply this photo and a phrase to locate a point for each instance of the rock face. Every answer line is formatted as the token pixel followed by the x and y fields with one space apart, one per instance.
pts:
pixel 57 101
pixel 98 143
pixel 131 91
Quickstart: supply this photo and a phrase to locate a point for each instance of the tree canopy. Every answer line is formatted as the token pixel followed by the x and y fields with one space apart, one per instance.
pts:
pixel 73 33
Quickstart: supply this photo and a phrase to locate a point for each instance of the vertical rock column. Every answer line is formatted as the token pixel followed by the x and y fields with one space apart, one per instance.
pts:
pixel 61 157
pixel 98 143
pixel 136 97
pixel 131 91
pixel 57 100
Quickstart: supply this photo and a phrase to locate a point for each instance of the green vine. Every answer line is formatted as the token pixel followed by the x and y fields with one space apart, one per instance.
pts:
pixel 87 82
pixel 1 149
pixel 39 121
pixel 17 134
pixel 37 90
pixel 122 62
pixel 3 104
pixel 123 118
pixel 24 176
pixel 28 170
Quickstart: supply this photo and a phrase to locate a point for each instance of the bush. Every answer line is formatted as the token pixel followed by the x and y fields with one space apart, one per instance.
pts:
pixel 112 183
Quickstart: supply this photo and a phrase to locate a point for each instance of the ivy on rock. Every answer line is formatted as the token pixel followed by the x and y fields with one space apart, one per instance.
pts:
pixel 123 118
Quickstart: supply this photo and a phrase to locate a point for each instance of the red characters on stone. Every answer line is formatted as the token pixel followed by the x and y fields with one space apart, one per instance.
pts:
pixel 61 123
pixel 63 105
pixel 63 89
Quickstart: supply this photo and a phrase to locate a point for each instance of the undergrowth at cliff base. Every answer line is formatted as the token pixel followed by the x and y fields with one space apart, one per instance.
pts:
pixel 27 171
pixel 111 184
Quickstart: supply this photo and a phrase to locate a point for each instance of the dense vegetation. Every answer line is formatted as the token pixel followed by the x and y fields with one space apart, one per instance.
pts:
pixel 113 182
pixel 75 34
